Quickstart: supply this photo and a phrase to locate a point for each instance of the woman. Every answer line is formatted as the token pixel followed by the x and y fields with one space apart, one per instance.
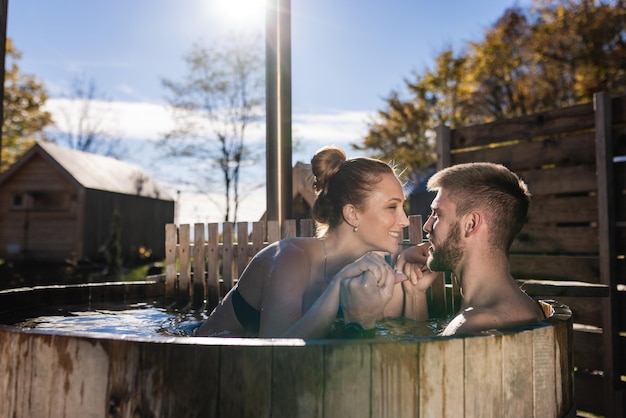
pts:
pixel 291 288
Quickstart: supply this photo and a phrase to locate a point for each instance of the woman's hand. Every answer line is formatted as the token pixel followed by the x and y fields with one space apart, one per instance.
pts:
pixel 372 262
pixel 366 287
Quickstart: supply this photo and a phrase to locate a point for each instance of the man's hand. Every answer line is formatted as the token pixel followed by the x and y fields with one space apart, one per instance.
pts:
pixel 411 262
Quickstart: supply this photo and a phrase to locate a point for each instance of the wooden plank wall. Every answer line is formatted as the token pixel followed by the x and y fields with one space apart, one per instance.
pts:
pixel 37 231
pixel 572 247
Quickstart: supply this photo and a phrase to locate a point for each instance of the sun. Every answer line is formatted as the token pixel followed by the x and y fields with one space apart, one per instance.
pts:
pixel 239 13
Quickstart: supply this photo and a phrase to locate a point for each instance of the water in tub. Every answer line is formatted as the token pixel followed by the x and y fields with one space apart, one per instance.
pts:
pixel 147 319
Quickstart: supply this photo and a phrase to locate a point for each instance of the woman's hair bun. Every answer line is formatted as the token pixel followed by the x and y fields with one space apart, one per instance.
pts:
pixel 325 164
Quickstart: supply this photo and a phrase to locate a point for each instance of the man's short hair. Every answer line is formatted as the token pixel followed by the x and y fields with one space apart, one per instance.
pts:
pixel 491 187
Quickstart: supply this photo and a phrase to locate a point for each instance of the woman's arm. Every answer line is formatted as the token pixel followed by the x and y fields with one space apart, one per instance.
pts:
pixel 286 282
pixel 316 322
pixel 282 302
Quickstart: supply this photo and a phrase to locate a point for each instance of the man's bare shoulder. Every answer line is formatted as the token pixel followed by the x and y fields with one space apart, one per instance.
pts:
pixel 473 320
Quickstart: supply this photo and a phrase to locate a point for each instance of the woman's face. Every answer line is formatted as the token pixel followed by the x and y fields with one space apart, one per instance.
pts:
pixel 382 221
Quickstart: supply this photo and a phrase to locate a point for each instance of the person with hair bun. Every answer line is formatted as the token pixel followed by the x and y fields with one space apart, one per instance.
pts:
pixel 294 287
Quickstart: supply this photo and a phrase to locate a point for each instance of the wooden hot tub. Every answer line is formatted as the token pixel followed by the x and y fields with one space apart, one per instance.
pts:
pixel 518 373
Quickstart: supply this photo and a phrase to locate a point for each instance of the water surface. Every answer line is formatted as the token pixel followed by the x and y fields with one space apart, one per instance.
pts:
pixel 138 319
pixel 147 320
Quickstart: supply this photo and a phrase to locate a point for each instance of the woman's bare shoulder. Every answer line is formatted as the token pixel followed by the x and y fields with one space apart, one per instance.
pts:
pixel 294 244
pixel 287 250
pixel 284 259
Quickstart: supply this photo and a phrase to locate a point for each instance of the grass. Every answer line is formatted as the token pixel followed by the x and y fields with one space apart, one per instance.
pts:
pixel 139 272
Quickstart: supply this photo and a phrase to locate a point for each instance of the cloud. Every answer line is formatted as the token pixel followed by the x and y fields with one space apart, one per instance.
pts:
pixel 193 207
pixel 134 120
pixel 145 123
pixel 311 131
pixel 331 127
pixel 150 121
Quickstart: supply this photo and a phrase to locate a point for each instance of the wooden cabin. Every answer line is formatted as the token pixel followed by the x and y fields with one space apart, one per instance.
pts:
pixel 59 204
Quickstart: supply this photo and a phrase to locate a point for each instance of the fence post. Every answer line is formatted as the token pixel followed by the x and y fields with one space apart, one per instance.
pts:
pixel 443 147
pixel 258 238
pixel 242 247
pixel 227 256
pixel 289 228
pixel 307 228
pixel 171 240
pixel 213 264
pixel 184 278
pixel 199 281
pixel 273 231
pixel 607 248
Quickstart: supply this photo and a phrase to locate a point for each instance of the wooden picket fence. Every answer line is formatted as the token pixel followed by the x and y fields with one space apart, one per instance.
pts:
pixel 201 271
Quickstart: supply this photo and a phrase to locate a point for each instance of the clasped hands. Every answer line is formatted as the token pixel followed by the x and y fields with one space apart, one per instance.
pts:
pixel 367 285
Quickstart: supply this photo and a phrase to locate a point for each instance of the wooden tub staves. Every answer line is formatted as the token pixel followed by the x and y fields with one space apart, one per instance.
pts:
pixel 525 372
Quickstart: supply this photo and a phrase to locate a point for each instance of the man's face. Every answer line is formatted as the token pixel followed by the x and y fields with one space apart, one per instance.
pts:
pixel 444 233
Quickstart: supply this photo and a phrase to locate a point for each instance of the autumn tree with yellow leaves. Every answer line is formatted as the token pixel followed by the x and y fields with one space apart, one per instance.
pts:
pixel 557 53
pixel 24 117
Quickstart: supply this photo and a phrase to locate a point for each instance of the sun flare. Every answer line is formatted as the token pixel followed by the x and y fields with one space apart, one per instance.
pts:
pixel 239 13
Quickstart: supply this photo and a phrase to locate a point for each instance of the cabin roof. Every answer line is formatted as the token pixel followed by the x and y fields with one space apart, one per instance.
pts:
pixel 96 172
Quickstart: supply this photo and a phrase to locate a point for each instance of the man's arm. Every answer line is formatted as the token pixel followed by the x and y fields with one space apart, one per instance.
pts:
pixel 412 264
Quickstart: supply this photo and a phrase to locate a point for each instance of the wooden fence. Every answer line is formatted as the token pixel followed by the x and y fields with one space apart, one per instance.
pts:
pixel 218 258
pixel 572 247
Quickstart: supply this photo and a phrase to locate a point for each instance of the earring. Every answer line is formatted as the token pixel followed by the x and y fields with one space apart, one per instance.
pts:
pixel 356 228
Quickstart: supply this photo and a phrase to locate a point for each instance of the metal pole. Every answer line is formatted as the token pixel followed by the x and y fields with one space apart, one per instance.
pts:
pixel 278 110
pixel 271 110
pixel 4 7
pixel 284 84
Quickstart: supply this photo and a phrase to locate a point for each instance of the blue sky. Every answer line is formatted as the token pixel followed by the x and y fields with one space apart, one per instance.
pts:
pixel 347 55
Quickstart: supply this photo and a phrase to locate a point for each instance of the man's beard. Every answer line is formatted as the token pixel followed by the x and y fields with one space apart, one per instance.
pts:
pixel 447 254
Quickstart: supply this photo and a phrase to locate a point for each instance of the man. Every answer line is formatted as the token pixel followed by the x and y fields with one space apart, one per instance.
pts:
pixel 477 212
